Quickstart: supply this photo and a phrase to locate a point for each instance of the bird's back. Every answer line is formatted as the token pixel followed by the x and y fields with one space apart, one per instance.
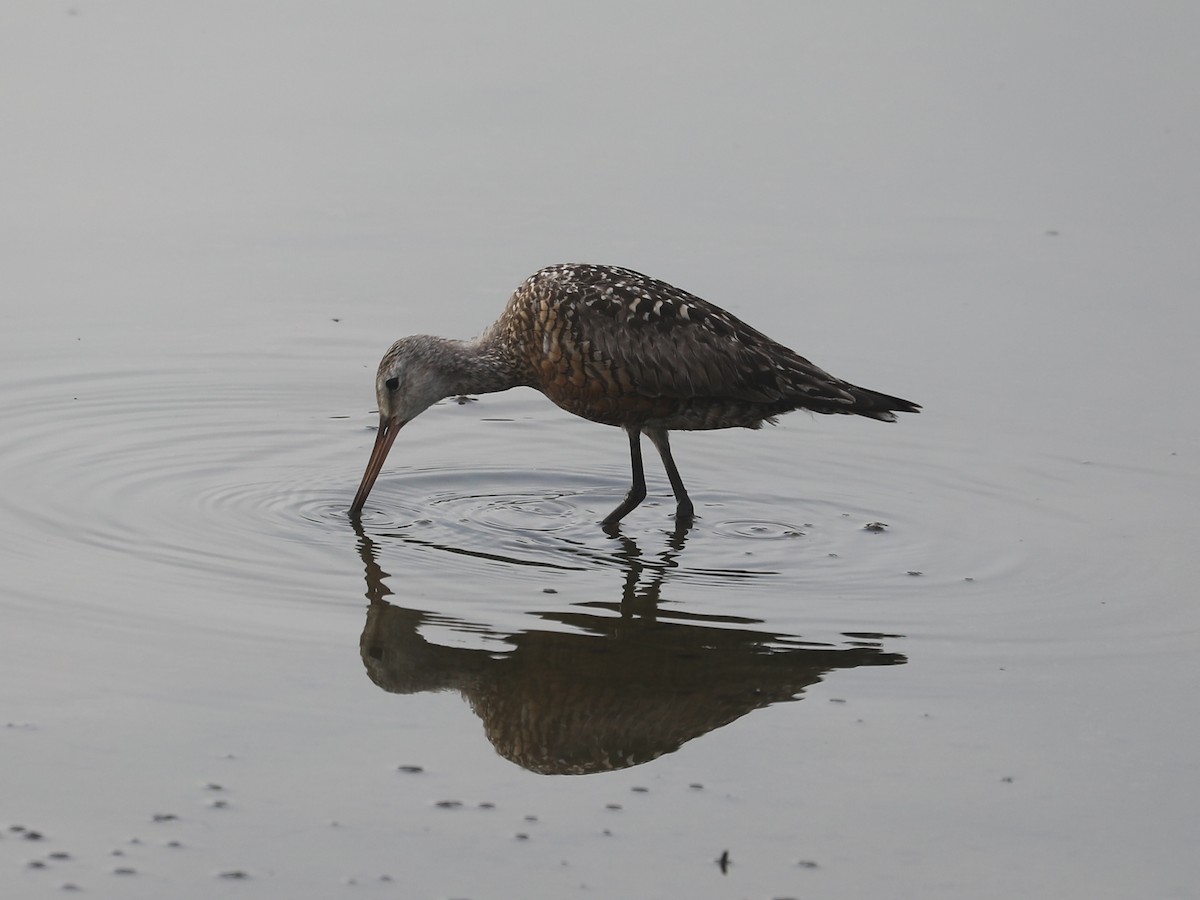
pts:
pixel 621 348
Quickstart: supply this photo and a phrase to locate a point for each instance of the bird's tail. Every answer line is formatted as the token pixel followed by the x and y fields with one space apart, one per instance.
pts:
pixel 875 405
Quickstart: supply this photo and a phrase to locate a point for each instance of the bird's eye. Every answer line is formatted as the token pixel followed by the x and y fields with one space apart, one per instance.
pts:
pixel 392 383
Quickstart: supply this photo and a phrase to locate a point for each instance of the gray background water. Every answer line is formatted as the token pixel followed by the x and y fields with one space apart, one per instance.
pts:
pixel 216 216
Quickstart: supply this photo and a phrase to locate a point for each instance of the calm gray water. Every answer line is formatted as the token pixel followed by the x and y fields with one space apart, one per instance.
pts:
pixel 215 221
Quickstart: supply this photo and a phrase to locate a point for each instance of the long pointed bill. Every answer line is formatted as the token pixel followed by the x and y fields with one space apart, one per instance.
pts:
pixel 384 438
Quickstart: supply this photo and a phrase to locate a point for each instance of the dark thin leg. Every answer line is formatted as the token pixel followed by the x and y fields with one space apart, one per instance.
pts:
pixel 637 490
pixel 684 510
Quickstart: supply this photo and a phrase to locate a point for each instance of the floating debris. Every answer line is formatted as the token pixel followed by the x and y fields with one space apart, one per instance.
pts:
pixel 875 526
pixel 724 862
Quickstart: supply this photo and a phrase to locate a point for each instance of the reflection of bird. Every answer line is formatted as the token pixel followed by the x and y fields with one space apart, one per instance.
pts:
pixel 627 684
pixel 619 348
pixel 618 692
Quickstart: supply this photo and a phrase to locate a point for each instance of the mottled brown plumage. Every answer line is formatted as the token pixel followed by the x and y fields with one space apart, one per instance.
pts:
pixel 619 348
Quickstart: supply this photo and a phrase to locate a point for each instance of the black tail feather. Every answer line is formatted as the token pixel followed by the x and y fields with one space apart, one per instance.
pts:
pixel 875 405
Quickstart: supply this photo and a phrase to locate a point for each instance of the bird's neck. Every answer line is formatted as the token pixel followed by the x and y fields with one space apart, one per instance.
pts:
pixel 481 366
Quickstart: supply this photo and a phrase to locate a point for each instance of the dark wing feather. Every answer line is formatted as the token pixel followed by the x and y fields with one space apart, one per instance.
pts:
pixel 670 343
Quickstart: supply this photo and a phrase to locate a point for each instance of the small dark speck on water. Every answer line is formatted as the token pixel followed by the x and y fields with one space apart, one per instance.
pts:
pixel 164 817
pixel 521 836
pixel 531 818
pixel 1007 779
pixel 35 864
pixel 915 572
pixel 124 870
pixel 60 854
pixel 875 526
pixel 549 591
pixel 463 399
pixel 696 786
pixel 612 805
pixel 234 875
pixel 640 790
pixel 836 700
pixel 807 864
pixel 335 319
pixel 32 835
pixel 411 770
pixel 724 862
pixel 448 804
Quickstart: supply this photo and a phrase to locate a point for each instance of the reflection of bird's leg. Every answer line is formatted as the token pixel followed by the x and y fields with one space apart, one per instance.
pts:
pixel 631 556
pixel 636 602
pixel 644 602
pixel 675 541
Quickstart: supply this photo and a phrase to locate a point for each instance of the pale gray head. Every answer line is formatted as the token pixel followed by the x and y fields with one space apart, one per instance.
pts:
pixel 414 374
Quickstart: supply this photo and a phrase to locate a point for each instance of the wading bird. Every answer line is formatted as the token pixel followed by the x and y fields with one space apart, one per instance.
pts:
pixel 619 348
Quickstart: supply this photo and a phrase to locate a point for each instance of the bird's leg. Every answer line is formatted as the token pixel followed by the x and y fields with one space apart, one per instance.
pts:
pixel 637 490
pixel 684 511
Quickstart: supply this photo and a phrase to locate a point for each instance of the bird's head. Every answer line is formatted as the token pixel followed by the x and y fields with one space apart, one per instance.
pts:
pixel 411 378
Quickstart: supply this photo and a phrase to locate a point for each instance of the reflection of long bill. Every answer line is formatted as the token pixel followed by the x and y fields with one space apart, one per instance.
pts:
pixel 388 429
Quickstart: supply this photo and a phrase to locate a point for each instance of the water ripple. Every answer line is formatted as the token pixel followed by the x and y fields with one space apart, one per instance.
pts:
pixel 241 482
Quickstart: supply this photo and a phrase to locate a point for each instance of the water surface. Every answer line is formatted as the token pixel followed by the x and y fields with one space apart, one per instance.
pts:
pixel 951 657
